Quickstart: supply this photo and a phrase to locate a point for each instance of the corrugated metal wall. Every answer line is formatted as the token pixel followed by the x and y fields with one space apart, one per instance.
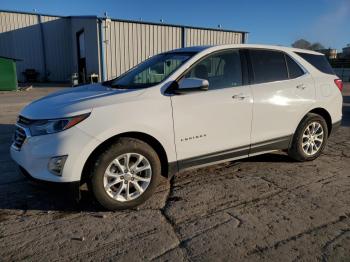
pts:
pixel 127 44
pixel 51 44
pixel 22 37
pixel 196 36
pixel 58 47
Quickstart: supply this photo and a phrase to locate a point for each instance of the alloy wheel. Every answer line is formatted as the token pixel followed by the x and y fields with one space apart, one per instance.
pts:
pixel 127 177
pixel 313 138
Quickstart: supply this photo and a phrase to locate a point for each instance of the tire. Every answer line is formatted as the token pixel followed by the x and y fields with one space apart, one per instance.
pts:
pixel 105 173
pixel 304 144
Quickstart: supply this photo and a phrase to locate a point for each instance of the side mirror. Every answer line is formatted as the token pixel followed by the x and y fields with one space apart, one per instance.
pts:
pixel 191 84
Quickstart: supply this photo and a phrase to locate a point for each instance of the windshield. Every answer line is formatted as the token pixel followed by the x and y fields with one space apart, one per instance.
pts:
pixel 152 71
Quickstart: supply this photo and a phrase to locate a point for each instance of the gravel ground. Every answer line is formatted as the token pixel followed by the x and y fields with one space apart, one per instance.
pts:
pixel 264 208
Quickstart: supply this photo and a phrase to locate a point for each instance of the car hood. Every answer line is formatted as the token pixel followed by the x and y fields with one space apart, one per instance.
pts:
pixel 77 100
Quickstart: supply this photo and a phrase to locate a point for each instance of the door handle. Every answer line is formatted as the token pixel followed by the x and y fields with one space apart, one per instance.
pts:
pixel 301 86
pixel 240 97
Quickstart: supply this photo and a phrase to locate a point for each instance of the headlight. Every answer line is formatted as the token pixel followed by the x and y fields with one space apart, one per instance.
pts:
pixel 43 127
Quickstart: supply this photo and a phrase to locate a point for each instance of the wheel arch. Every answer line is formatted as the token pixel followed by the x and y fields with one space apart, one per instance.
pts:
pixel 150 140
pixel 321 112
pixel 326 115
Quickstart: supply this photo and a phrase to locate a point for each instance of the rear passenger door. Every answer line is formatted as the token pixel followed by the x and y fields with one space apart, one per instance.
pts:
pixel 282 92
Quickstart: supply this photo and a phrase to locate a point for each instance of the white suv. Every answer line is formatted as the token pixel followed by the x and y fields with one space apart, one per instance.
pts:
pixel 181 109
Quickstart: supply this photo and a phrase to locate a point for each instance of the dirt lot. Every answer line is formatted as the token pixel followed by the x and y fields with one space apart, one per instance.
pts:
pixel 264 208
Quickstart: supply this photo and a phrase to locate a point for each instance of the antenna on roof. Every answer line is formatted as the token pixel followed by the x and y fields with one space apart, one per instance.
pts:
pixel 106 15
pixel 140 18
pixel 219 26
pixel 161 20
pixel 35 10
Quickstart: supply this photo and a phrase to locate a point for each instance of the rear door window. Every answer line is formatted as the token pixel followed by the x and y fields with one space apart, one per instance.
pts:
pixel 318 61
pixel 268 66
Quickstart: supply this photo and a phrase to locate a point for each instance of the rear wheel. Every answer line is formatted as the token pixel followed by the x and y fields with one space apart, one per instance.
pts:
pixel 309 139
pixel 126 174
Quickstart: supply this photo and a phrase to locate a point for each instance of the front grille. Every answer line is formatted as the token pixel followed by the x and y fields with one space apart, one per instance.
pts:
pixel 19 137
pixel 24 121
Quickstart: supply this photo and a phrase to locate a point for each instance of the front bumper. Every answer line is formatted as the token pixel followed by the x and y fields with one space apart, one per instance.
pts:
pixel 35 153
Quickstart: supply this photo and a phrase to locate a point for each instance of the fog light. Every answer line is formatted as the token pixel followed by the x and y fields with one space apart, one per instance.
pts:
pixel 56 165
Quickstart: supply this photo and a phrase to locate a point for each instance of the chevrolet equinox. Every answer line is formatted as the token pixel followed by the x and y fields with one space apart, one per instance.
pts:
pixel 180 109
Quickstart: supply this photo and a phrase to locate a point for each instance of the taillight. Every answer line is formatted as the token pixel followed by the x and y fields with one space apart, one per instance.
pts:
pixel 339 84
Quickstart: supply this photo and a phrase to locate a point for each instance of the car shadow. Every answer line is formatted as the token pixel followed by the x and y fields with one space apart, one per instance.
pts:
pixel 346 111
pixel 279 157
pixel 346 99
pixel 25 195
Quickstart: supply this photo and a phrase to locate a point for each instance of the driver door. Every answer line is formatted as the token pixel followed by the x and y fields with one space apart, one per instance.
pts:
pixel 214 125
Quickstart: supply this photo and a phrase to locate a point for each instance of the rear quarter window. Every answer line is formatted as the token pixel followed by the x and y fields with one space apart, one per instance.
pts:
pixel 294 69
pixel 318 61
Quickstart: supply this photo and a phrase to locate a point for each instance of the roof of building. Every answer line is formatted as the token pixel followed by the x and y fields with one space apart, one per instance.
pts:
pixel 127 20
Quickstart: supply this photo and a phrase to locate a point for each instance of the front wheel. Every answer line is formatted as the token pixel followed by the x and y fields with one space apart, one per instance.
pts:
pixel 126 174
pixel 309 139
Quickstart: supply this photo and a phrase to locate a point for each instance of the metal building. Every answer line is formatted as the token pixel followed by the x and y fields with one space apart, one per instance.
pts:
pixel 57 47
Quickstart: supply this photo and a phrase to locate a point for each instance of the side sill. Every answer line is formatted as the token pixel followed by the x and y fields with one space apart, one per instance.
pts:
pixel 271 145
pixel 230 155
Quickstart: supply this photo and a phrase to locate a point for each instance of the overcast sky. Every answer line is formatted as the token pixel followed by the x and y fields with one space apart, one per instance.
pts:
pixel 268 21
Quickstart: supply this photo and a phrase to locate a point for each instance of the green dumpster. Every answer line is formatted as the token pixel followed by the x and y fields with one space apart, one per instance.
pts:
pixel 8 74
